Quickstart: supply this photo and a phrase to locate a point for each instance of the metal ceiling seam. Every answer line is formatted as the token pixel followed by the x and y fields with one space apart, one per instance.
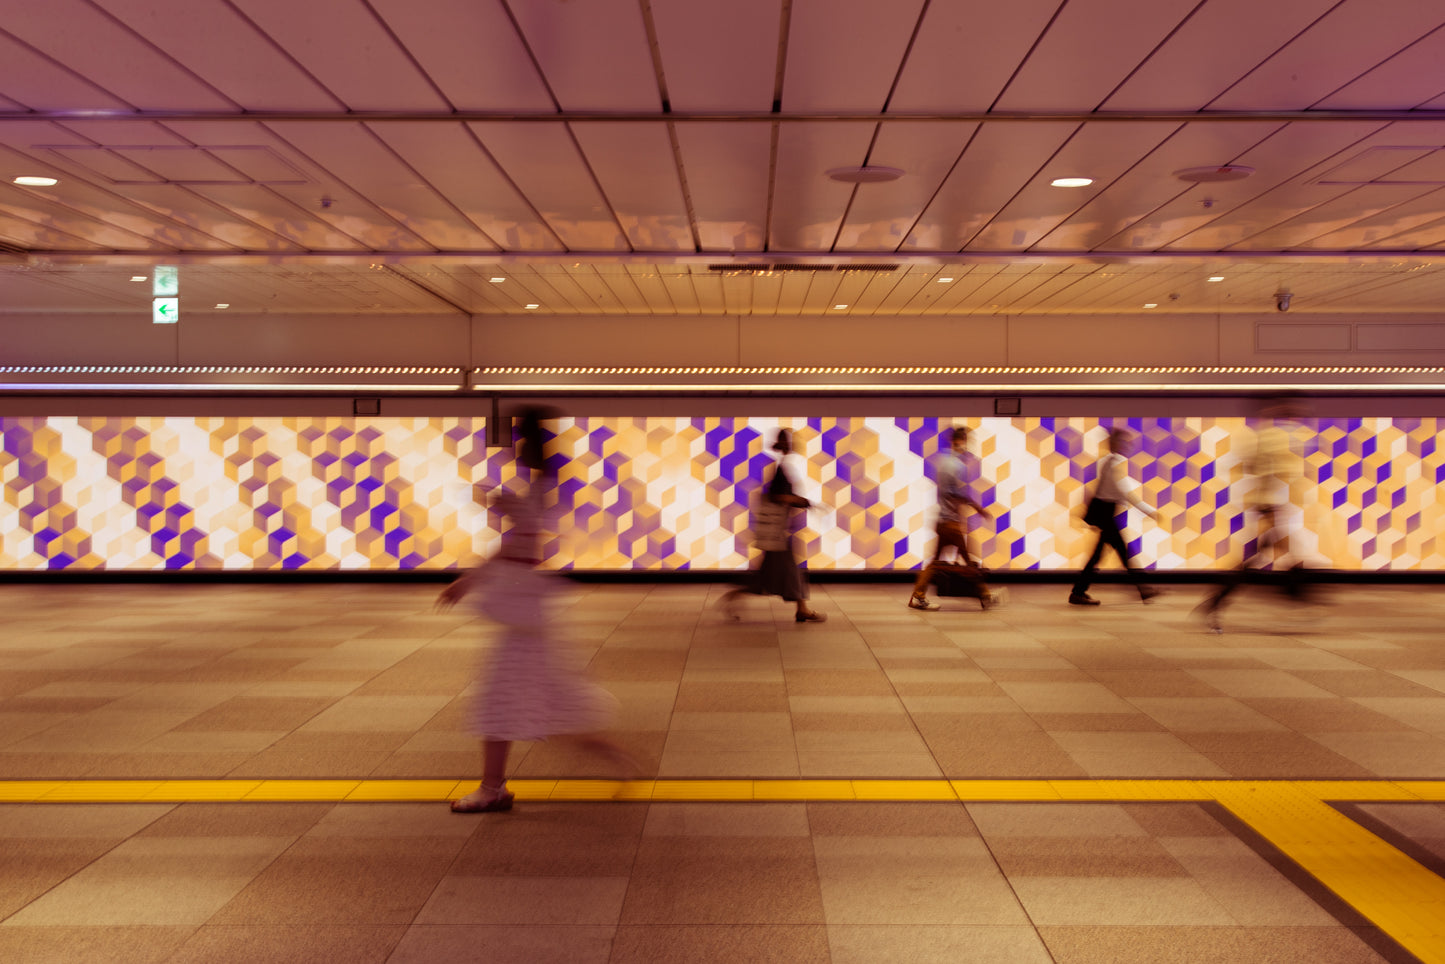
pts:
pixel 407 53
pixel 284 53
pixel 161 52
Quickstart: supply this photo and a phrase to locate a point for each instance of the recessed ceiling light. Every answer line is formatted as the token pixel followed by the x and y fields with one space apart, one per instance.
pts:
pixel 839 307
pixel 1072 181
pixel 1152 304
pixel 496 281
pixel 944 281
pixel 1218 277
pixel 530 307
pixel 29 180
pixel 138 277
pixel 870 174
pixel 223 305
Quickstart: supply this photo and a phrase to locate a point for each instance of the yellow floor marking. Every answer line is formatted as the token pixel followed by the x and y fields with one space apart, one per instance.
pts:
pixel 1394 892
pixel 302 790
pixel 193 791
pixel 1405 900
pixel 402 790
pixel 795 790
pixel 1009 790
pixel 904 790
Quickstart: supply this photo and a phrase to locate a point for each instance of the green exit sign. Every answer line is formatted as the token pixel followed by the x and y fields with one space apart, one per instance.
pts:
pixel 166 281
pixel 165 311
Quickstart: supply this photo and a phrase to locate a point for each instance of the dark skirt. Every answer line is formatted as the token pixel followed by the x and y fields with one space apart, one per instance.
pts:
pixel 778 574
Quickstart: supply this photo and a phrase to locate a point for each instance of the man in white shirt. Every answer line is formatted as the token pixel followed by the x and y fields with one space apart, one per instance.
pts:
pixel 1114 486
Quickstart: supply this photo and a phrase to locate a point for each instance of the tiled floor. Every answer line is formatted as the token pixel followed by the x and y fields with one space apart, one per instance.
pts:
pixel 364 680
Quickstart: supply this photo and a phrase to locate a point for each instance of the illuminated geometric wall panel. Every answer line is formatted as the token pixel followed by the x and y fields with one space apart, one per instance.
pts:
pixel 674 493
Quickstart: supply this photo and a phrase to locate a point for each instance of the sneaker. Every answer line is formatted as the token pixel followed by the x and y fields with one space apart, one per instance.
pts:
pixel 995 597
pixel 921 602
pixel 1082 599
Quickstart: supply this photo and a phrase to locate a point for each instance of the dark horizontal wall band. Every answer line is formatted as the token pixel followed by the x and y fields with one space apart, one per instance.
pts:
pixel 183 577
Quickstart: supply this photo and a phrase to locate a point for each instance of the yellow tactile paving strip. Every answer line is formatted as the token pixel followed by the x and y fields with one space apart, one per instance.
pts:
pixel 1402 898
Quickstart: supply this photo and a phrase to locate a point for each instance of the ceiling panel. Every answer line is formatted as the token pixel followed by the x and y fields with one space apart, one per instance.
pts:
pixel 579 43
pixel 966 51
pixel 1151 183
pixel 1411 77
pixel 845 54
pixel 470 51
pixel 648 279
pixel 882 215
pixel 1101 151
pixel 348 50
pixel 728 167
pixel 108 55
pixel 361 160
pixel 1344 44
pixel 635 166
pixel 35 81
pixel 452 163
pixel 247 68
pixel 808 207
pixel 1210 52
pixel 1301 193
pixel 680 289
pixel 1418 211
pixel 1278 158
pixel 980 186
pixel 718 56
pixel 1088 50
pixel 543 162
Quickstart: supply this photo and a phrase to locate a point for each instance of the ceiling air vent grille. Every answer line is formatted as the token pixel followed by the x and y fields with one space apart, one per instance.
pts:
pixel 785 266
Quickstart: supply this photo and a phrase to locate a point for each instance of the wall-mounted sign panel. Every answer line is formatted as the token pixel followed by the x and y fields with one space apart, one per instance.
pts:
pixel 165 311
pixel 166 281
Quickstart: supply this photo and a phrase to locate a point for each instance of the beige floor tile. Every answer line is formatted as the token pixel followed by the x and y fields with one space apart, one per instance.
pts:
pixel 727 820
pixel 876 764
pixel 897 944
pixel 547 901
pixel 289 944
pixel 1054 820
pixel 920 901
pixel 201 857
pixel 55 943
pixel 856 856
pixel 113 900
pixel 542 944
pixel 701 764
pixel 1062 901
pixel 757 944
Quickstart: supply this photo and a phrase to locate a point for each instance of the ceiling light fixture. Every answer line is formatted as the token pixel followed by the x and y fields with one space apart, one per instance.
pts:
pixel 1218 277
pixel 1071 181
pixel 1151 304
pixel 138 277
pixel 496 281
pixel 944 281
pixel 1209 175
pixel 530 307
pixel 223 305
pixel 868 174
pixel 35 180
pixel 839 307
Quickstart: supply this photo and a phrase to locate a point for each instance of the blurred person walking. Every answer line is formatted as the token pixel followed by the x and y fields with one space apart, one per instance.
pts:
pixel 1113 488
pixel 527 691
pixel 964 577
pixel 778 572
pixel 1279 553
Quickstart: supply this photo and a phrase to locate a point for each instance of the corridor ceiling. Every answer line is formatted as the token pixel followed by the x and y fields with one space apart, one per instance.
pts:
pixel 607 156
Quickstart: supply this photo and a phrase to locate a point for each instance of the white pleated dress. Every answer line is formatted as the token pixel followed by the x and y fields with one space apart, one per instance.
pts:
pixel 529 688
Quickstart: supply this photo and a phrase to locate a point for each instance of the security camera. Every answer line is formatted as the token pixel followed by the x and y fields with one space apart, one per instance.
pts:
pixel 1281 300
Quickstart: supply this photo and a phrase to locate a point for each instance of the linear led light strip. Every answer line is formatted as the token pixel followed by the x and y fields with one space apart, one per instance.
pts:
pixel 214 370
pixel 1060 370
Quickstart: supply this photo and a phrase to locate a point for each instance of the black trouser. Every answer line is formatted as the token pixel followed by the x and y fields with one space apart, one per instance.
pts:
pixel 1109 535
pixel 1293 582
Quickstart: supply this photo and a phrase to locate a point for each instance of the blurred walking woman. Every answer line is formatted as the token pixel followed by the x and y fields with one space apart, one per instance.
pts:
pixel 528 691
pixel 778 572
